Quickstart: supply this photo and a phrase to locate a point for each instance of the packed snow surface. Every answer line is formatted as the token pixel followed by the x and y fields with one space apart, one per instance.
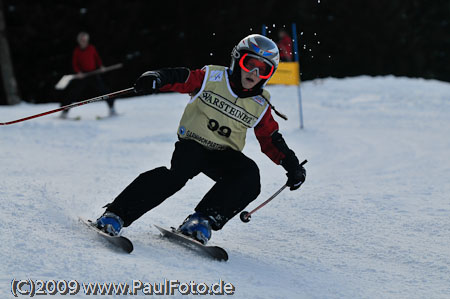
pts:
pixel 371 221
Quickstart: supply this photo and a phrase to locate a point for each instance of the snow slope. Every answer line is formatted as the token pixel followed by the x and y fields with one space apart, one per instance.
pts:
pixel 372 220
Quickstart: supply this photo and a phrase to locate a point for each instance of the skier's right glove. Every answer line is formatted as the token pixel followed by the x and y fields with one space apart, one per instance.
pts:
pixel 296 173
pixel 148 83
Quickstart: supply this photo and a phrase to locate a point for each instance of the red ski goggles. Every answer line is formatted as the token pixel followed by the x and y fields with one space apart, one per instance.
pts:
pixel 250 63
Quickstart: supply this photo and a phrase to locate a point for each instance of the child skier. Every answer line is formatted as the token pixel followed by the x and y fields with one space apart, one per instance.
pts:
pixel 225 102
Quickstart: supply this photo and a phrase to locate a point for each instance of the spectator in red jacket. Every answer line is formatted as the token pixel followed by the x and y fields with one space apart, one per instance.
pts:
pixel 285 45
pixel 85 59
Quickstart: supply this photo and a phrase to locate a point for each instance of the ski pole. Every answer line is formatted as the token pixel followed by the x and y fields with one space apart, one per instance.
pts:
pixel 245 216
pixel 92 100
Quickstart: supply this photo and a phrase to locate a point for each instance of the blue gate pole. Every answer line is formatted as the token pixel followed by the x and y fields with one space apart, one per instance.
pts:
pixel 263 30
pixel 296 56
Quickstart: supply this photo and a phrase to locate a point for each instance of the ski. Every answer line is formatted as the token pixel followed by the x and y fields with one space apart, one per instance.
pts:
pixel 75 118
pixel 100 117
pixel 214 252
pixel 66 79
pixel 118 241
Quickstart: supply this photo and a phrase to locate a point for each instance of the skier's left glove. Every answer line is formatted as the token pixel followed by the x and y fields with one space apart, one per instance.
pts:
pixel 148 83
pixel 296 173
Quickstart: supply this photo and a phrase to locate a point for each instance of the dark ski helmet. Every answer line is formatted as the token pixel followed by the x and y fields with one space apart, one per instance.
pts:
pixel 254 46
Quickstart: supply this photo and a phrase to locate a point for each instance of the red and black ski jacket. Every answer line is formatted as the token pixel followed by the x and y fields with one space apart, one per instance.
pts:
pixel 183 80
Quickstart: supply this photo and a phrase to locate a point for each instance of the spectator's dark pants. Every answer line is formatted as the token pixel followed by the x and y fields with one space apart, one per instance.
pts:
pixel 91 86
pixel 236 176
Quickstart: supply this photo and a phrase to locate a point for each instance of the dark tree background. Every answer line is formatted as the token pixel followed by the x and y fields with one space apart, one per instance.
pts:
pixel 336 38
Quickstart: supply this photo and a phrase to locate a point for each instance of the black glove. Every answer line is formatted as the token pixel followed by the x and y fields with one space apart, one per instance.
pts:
pixel 148 83
pixel 296 173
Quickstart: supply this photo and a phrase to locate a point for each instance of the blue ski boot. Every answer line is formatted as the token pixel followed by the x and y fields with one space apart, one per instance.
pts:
pixel 198 227
pixel 110 223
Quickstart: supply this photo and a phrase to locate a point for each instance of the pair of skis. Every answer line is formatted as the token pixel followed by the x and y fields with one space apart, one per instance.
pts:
pixel 98 117
pixel 123 243
pixel 173 234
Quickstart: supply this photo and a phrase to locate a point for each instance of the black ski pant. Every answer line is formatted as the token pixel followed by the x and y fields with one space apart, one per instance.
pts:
pixel 236 176
pixel 80 89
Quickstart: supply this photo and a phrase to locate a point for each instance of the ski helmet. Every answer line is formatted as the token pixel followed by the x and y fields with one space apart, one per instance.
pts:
pixel 259 47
